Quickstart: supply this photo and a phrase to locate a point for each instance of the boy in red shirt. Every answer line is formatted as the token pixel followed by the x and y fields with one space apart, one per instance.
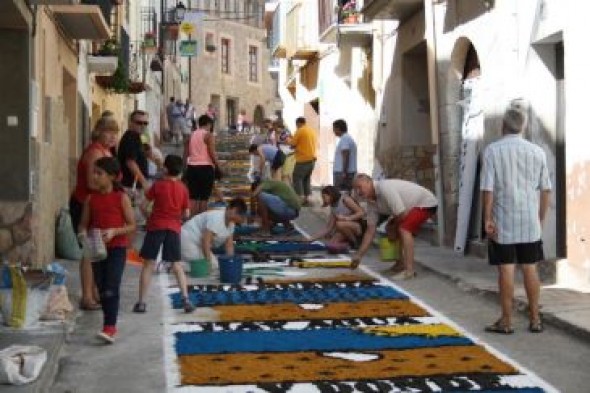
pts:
pixel 170 197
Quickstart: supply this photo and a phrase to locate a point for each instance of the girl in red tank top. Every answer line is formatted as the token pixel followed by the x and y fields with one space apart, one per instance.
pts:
pixel 109 210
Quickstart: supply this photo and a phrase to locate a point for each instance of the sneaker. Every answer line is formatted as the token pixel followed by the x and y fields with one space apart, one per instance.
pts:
pixel 188 306
pixel 107 334
pixel 140 308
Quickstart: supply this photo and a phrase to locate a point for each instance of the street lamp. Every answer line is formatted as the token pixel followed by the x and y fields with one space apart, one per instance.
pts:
pixel 179 12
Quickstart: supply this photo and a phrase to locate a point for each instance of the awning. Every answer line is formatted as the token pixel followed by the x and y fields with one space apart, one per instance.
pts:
pixel 82 21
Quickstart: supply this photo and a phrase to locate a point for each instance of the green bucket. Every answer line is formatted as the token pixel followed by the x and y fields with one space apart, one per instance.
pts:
pixel 199 268
pixel 389 250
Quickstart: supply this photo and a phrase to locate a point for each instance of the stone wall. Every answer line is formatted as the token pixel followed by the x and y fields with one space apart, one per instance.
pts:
pixel 207 78
pixel 17 243
pixel 413 163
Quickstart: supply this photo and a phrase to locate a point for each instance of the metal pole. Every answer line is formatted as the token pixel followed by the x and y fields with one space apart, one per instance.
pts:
pixel 161 54
pixel 190 64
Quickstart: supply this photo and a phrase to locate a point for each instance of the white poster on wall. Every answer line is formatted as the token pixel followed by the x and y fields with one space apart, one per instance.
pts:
pixel 472 131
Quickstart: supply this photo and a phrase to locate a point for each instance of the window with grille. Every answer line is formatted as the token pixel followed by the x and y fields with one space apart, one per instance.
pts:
pixel 253 63
pixel 225 47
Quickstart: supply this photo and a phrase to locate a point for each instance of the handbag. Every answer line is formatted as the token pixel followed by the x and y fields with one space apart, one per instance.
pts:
pixel 93 246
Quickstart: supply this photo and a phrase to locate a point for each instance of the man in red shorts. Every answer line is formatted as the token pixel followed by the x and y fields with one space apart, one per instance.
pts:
pixel 405 205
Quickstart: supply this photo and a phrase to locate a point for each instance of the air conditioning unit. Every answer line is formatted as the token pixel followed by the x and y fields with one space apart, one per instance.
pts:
pixel 55 2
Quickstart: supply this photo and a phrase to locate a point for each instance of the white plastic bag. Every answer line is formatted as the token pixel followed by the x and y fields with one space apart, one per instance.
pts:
pixel 93 247
pixel 21 364
pixel 23 299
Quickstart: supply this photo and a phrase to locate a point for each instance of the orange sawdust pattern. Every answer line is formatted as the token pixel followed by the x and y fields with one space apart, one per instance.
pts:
pixel 293 312
pixel 254 368
pixel 336 278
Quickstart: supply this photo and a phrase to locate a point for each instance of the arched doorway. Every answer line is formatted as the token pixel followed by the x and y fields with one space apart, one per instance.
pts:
pixel 258 117
pixel 469 119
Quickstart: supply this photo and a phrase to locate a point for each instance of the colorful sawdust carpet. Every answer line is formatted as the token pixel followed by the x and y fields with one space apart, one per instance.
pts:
pixel 338 334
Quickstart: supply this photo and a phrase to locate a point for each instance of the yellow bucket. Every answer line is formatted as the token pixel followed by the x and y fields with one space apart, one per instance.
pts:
pixel 389 250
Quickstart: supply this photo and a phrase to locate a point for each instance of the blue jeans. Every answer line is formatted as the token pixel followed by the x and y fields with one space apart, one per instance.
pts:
pixel 107 275
pixel 278 209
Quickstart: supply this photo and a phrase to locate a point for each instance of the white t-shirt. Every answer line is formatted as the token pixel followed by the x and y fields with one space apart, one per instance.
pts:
pixel 345 143
pixel 395 196
pixel 192 232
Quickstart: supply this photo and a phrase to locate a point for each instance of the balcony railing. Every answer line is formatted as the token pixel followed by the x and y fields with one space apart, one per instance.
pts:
pixel 302 31
pixel 343 20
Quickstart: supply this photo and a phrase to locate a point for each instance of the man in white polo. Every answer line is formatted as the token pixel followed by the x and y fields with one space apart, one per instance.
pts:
pixel 405 205
pixel 516 187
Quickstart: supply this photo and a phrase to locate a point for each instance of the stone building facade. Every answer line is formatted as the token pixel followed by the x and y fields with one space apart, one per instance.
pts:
pixel 424 52
pixel 231 68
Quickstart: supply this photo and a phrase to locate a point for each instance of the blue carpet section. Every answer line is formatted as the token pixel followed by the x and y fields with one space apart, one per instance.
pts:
pixel 245 230
pixel 303 340
pixel 298 296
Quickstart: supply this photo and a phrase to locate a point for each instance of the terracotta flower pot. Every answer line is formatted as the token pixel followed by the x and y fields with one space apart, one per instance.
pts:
pixel 351 19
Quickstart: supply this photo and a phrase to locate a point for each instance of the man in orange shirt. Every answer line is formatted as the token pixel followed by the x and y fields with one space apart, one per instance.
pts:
pixel 305 143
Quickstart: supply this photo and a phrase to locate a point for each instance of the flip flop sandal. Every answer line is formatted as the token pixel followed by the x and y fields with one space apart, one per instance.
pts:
pixel 499 328
pixel 536 327
pixel 139 308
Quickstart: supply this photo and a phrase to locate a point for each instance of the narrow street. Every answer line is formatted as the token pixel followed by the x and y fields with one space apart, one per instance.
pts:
pixel 148 347
pixel 141 350
pixel 374 196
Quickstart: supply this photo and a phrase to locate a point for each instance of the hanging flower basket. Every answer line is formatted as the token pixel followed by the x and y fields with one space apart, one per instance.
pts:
pixel 109 48
pixel 136 87
pixel 173 30
pixel 149 41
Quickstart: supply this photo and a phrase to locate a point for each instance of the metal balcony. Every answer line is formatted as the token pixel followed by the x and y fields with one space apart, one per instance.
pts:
pixel 336 26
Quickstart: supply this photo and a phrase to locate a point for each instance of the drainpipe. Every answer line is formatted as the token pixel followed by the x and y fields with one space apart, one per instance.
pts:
pixel 430 33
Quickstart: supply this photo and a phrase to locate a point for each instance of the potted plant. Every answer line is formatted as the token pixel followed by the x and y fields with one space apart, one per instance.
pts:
pixel 118 82
pixel 149 40
pixel 109 48
pixel 173 30
pixel 104 60
pixel 349 12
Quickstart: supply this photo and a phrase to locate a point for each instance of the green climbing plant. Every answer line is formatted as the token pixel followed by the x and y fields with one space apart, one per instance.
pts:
pixel 120 81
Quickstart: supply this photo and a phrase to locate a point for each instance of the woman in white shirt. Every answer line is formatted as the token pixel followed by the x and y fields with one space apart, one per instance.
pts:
pixel 211 229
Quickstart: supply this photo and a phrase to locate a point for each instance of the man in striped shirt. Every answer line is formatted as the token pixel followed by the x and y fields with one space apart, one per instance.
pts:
pixel 516 187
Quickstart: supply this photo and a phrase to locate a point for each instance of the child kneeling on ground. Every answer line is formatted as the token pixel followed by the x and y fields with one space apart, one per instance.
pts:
pixel 170 199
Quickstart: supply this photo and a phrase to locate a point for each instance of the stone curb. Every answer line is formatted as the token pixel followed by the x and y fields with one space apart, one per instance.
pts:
pixel 520 304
